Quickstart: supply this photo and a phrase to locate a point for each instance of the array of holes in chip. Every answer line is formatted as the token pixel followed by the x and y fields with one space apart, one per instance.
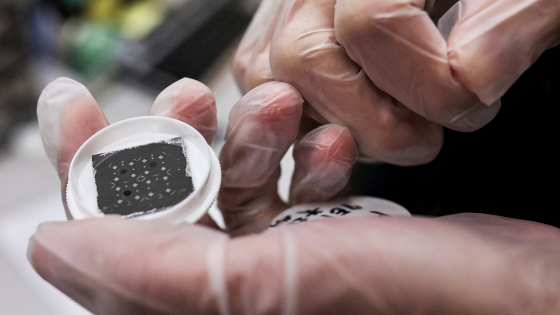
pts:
pixel 142 179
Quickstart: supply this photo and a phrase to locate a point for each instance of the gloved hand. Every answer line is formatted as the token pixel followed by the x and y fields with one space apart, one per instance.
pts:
pixel 261 128
pixel 461 264
pixel 368 65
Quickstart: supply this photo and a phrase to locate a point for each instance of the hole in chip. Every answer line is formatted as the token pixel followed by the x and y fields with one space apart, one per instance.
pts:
pixel 127 193
pixel 123 171
pixel 153 164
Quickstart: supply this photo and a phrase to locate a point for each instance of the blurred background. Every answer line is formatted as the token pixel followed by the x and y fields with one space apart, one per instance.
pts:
pixel 125 52
pixel 141 45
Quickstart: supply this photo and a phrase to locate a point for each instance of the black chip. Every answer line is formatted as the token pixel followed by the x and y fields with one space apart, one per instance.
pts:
pixel 142 179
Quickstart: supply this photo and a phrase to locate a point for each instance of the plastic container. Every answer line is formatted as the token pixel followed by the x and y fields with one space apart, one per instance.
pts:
pixel 351 206
pixel 81 192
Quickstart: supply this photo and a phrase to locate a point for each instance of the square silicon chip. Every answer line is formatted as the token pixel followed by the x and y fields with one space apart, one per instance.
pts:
pixel 142 179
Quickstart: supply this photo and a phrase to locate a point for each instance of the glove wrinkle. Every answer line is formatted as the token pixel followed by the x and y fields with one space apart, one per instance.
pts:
pixel 261 128
pixel 291 287
pixel 409 60
pixel 82 282
pixel 216 274
pixel 487 64
pixel 447 21
pixel 306 53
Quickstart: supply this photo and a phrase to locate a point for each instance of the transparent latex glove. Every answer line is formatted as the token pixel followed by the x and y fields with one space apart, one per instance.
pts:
pixel 356 62
pixel 481 48
pixel 335 89
pixel 460 264
pixel 68 116
pixel 261 128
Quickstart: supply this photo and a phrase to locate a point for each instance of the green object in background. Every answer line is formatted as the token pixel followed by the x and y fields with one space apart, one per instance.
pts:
pixel 92 47
pixel 91 41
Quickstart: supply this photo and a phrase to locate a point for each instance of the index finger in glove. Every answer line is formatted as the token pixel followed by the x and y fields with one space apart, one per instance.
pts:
pixel 191 102
pixel 118 266
pixel 323 163
pixel 392 265
pixel 261 128
pixel 68 115
pixel 305 53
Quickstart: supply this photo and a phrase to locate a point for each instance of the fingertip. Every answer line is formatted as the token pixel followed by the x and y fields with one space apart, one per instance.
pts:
pixel 422 152
pixel 189 101
pixel 194 99
pixel 325 145
pixel 402 137
pixel 181 94
pixel 43 231
pixel 43 243
pixel 58 94
pixel 324 158
pixel 64 86
pixel 274 106
pixel 32 247
pixel 337 143
pixel 67 115
pixel 53 99
pixel 278 99
pixel 114 265
pixel 344 147
pixel 475 117
pixel 65 237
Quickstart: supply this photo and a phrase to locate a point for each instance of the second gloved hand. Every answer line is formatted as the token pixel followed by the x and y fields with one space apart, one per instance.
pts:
pixel 378 67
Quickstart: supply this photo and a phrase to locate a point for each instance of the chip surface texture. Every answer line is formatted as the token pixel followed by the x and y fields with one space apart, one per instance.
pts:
pixel 142 179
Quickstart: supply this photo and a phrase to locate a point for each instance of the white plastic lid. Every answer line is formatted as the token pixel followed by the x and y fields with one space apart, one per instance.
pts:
pixel 350 206
pixel 81 192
